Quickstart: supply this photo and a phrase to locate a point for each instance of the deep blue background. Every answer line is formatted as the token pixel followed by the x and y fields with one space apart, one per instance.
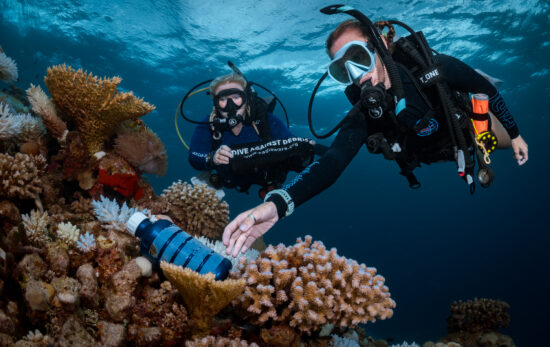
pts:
pixel 433 245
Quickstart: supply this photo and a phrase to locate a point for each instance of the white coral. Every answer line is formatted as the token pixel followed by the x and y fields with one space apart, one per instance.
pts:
pixel 86 243
pixel 68 232
pixel 35 225
pixel 19 126
pixel 8 68
pixel 406 344
pixel 219 247
pixel 338 341
pixel 114 216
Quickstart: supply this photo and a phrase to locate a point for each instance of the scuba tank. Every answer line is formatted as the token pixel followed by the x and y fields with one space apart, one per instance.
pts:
pixel 162 240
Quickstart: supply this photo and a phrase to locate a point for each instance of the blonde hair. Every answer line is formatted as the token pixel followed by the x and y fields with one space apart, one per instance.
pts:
pixel 233 77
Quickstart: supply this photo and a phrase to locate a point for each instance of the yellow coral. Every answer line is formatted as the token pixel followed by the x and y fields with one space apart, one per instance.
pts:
pixel 307 286
pixel 68 232
pixel 93 104
pixel 204 297
pixel 20 175
pixel 199 208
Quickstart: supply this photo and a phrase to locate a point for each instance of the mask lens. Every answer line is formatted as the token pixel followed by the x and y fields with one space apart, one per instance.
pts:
pixel 235 98
pixel 355 52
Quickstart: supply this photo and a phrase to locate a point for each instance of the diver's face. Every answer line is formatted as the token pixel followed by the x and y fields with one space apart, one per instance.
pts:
pixel 378 74
pixel 235 98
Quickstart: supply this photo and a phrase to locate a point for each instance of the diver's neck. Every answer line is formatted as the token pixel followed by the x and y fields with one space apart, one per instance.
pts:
pixel 237 129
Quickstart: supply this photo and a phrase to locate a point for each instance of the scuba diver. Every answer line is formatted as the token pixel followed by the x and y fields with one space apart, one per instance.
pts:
pixel 242 143
pixel 408 104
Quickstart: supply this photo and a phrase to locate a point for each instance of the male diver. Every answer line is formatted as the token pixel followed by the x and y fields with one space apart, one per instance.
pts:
pixel 405 107
pixel 243 143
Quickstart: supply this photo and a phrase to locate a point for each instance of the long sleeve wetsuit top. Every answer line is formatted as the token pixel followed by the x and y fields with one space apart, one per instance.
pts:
pixel 353 133
pixel 200 149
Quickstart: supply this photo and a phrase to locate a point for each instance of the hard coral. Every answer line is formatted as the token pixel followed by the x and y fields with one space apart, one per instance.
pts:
pixel 93 104
pixel 216 341
pixel 198 207
pixel 204 297
pixel 18 127
pixel 478 315
pixel 43 106
pixel 20 176
pixel 143 149
pixel 307 286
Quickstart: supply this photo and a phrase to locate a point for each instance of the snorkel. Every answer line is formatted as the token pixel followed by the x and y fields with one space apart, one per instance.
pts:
pixel 373 98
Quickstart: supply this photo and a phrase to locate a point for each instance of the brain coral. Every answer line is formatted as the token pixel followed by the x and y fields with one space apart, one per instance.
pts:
pixel 306 286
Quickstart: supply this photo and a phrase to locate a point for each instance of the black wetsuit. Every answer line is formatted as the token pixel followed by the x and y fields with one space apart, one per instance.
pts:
pixel 353 134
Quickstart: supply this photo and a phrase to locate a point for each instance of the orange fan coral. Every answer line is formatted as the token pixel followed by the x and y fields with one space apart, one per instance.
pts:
pixel 307 286
pixel 93 104
pixel 143 149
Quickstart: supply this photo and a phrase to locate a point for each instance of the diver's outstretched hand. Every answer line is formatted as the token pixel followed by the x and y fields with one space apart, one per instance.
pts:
pixel 248 226
pixel 520 148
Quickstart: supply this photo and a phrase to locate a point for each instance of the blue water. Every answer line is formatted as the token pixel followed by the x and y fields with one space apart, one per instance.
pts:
pixel 434 245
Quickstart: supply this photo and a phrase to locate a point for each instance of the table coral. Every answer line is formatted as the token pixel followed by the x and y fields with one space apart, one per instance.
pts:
pixel 93 104
pixel 307 286
pixel 198 207
pixel 204 297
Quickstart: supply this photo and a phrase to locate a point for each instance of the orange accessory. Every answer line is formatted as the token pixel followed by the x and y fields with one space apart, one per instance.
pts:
pixel 480 107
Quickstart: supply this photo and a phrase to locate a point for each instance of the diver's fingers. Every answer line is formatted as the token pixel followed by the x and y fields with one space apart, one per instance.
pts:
pixel 233 227
pixel 249 241
pixel 240 242
pixel 226 151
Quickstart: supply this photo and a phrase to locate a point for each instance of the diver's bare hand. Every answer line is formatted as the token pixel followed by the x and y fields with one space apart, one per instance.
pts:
pixel 222 155
pixel 520 148
pixel 248 226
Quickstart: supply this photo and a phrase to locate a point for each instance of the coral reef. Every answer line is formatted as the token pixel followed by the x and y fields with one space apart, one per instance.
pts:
pixel 20 176
pixel 212 341
pixel 218 247
pixel 142 148
pixel 204 297
pixel 44 107
pixel 93 104
pixel 478 315
pixel 197 209
pixel 8 68
pixel 307 286
pixel 18 127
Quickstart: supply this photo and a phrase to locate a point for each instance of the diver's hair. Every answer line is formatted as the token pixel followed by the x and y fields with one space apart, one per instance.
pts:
pixel 350 24
pixel 233 77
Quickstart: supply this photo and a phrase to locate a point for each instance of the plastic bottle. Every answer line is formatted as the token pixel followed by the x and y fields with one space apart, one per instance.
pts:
pixel 162 240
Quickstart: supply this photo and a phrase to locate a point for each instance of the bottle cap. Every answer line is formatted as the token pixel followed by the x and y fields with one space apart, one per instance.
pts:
pixel 134 221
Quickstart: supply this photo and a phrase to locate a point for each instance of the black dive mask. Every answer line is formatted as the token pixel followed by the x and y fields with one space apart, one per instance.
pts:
pixel 222 123
pixel 373 99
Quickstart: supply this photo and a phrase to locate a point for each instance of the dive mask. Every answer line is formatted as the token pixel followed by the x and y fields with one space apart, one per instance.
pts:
pixel 353 61
pixel 234 98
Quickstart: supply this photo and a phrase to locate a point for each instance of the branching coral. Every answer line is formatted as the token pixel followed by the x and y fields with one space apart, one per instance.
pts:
pixel 204 297
pixel 43 106
pixel 8 68
pixel 20 127
pixel 68 233
pixel 143 149
pixel 198 207
pixel 112 214
pixel 93 104
pixel 308 286
pixel 86 242
pixel 478 315
pixel 20 175
pixel 36 224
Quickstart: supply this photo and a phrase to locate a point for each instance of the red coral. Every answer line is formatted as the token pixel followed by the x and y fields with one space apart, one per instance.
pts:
pixel 125 184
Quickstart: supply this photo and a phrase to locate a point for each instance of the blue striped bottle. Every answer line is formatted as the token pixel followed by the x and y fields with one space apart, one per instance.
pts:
pixel 162 240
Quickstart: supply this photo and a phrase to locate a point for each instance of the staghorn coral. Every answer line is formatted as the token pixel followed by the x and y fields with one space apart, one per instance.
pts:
pixel 36 227
pixel 478 315
pixel 86 242
pixel 204 297
pixel 20 127
pixel 68 233
pixel 217 341
pixel 8 68
pixel 113 215
pixel 198 208
pixel 44 107
pixel 93 104
pixel 20 176
pixel 308 286
pixel 143 149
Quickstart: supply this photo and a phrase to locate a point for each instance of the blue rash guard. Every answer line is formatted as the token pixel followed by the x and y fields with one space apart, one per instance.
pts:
pixel 201 149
